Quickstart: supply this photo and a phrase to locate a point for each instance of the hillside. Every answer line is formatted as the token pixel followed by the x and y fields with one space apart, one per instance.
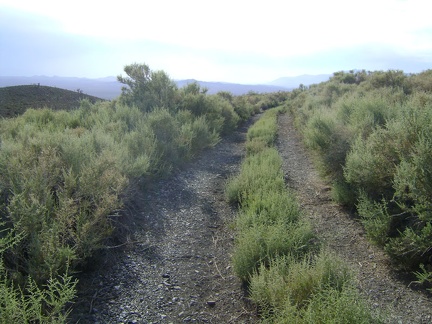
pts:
pixel 17 99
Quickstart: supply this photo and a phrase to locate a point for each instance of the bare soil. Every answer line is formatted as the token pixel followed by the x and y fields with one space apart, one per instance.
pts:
pixel 177 269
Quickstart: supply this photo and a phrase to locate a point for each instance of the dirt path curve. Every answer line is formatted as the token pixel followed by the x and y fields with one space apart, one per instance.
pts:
pixel 346 237
pixel 180 272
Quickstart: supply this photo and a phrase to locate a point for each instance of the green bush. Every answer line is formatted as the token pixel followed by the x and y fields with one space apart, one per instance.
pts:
pixel 372 135
pixel 259 175
pixel 260 244
pixel 64 175
pixel 310 290
pixel 375 218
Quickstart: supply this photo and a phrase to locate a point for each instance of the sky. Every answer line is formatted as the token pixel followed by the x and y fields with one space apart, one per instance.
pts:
pixel 250 42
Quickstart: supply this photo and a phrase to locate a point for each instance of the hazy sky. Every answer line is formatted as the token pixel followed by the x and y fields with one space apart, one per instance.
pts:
pixel 251 41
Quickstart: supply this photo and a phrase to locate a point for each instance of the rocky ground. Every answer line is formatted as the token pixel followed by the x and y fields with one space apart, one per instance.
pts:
pixel 176 267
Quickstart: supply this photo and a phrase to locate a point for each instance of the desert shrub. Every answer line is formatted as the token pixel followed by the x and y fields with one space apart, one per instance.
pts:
pixel 166 132
pixel 370 164
pixel 275 253
pixel 262 243
pixel 268 223
pixel 30 303
pixel 246 106
pixel 231 118
pixel 412 183
pixel 362 112
pixel 220 114
pixel 343 193
pixel 389 79
pixel 147 89
pixel 64 175
pixel 259 175
pixel 265 129
pixel 421 82
pixel 394 163
pixel 372 139
pixel 38 305
pixel 319 131
pixel 203 136
pixel 314 289
pixel 375 218
pixel 273 207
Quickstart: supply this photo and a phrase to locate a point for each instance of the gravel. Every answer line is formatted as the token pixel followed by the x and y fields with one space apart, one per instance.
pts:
pixel 176 266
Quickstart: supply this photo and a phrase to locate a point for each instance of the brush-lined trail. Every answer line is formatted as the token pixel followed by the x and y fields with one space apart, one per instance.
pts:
pixel 386 289
pixel 177 266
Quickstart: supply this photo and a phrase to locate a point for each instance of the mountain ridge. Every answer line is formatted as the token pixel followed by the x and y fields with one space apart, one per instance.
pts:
pixel 109 88
pixel 305 79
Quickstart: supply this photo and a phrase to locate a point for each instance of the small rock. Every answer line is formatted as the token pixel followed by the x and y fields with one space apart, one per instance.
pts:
pixel 166 275
pixel 211 303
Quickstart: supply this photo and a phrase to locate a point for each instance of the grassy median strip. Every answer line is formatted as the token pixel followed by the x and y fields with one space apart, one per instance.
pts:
pixel 290 277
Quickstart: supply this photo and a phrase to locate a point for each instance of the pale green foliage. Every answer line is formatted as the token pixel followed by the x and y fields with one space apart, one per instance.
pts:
pixel 268 223
pixel 47 305
pixel 36 305
pixel 260 174
pixel 372 132
pixel 274 249
pixel 310 290
pixel 265 129
pixel 262 243
pixel 147 89
pixel 64 175
pixel 217 109
pixel 375 218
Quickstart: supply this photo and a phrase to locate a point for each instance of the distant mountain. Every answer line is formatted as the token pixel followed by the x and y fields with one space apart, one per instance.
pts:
pixel 306 79
pixel 234 88
pixel 109 88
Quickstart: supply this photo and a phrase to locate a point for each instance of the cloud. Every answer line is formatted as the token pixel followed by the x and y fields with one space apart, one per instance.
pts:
pixel 237 41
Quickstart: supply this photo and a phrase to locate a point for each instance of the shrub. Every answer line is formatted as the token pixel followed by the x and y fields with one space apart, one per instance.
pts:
pixel 260 244
pixel 309 290
pixel 259 175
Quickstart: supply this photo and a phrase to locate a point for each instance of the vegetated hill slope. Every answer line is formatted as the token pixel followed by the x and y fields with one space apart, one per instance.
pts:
pixel 17 99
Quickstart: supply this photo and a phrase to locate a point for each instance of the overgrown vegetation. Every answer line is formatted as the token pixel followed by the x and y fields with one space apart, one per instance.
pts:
pixel 373 137
pixel 64 177
pixel 290 277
